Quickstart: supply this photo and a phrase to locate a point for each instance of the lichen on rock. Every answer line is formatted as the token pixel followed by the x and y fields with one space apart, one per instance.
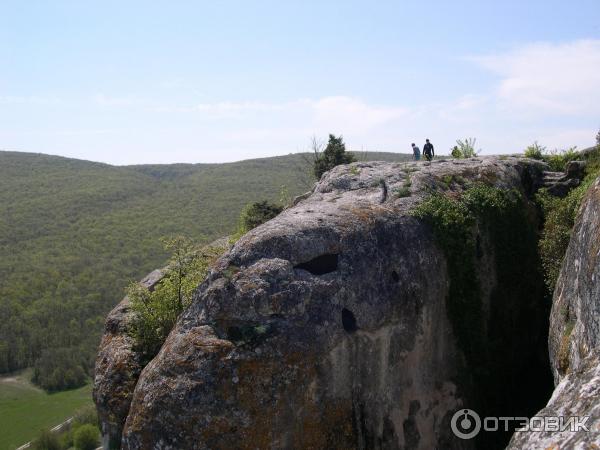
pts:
pixel 329 327
pixel 574 337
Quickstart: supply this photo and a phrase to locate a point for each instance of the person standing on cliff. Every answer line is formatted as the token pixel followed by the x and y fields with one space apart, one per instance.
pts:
pixel 428 150
pixel 416 152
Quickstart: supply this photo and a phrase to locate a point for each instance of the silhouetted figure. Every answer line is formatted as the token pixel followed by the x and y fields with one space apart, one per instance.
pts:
pixel 416 152
pixel 428 150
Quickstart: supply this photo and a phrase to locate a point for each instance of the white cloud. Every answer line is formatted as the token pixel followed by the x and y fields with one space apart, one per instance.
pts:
pixel 347 113
pixel 240 109
pixel 33 100
pixel 106 100
pixel 549 78
pixel 328 113
pixel 545 92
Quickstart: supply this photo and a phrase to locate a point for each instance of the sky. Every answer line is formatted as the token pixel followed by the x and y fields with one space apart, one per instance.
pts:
pixel 131 82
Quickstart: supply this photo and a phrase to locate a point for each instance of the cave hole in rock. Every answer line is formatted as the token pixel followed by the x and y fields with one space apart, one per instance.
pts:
pixel 320 265
pixel 478 247
pixel 395 276
pixel 235 333
pixel 349 321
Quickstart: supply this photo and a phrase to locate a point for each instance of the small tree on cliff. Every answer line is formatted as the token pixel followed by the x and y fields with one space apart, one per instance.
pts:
pixel 255 214
pixel 465 149
pixel 333 155
pixel 155 312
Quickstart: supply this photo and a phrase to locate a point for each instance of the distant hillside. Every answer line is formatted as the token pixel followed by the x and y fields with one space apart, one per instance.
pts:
pixel 73 233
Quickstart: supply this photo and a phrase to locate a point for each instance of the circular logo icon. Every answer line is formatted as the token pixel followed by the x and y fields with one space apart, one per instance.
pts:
pixel 465 423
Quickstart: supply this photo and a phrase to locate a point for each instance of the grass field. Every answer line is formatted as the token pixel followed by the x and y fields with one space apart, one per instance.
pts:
pixel 25 409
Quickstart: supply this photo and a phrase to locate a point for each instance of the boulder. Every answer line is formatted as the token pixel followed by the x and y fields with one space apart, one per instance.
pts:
pixel 575 169
pixel 328 326
pixel 118 367
pixel 574 336
pixel 575 317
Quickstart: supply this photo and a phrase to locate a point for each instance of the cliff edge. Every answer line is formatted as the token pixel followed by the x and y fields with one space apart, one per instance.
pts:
pixel 574 338
pixel 339 323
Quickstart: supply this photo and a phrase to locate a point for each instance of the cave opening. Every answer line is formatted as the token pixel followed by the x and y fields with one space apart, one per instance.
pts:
pixel 349 321
pixel 320 265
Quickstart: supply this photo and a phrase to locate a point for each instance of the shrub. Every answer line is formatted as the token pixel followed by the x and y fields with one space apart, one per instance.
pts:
pixel 404 191
pixel 558 159
pixel 592 157
pixel 535 151
pixel 86 415
pixel 47 440
pixel 560 213
pixel 256 214
pixel 333 155
pixel 59 369
pixel 157 311
pixel 465 149
pixel 86 437
pixel 454 221
pixel 559 219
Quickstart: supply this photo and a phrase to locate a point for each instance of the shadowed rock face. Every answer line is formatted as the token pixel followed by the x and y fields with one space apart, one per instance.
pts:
pixel 118 367
pixel 574 338
pixel 327 326
pixel 575 318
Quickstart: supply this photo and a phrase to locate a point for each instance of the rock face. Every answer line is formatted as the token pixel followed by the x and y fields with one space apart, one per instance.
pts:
pixel 574 338
pixel 559 184
pixel 327 327
pixel 575 317
pixel 118 367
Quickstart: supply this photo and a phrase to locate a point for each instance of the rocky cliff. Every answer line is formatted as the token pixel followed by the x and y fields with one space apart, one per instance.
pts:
pixel 118 367
pixel 338 324
pixel 574 338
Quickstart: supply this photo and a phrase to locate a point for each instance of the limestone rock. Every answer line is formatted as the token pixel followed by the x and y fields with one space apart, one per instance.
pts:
pixel 327 326
pixel 575 317
pixel 577 395
pixel 574 337
pixel 575 169
pixel 118 367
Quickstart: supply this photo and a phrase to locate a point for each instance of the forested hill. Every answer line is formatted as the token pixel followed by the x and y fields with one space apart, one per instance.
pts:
pixel 73 233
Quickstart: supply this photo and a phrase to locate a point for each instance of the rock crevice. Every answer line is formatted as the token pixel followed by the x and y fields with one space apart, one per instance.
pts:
pixel 328 327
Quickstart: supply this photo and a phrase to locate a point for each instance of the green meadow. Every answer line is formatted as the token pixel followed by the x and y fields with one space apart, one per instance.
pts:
pixel 25 409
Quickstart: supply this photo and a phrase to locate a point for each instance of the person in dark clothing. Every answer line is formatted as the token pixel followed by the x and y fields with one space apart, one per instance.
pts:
pixel 428 150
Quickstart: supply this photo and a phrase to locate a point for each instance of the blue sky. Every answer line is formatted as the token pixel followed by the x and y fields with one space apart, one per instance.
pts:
pixel 194 81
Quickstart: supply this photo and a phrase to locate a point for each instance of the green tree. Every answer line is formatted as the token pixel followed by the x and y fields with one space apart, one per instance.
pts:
pixel 47 440
pixel 58 369
pixel 535 151
pixel 558 159
pixel 257 213
pixel 86 415
pixel 465 149
pixel 157 311
pixel 559 219
pixel 333 155
pixel 86 437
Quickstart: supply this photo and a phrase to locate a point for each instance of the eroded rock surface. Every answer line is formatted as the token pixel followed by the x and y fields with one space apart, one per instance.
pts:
pixel 574 338
pixel 575 318
pixel 327 326
pixel 118 367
